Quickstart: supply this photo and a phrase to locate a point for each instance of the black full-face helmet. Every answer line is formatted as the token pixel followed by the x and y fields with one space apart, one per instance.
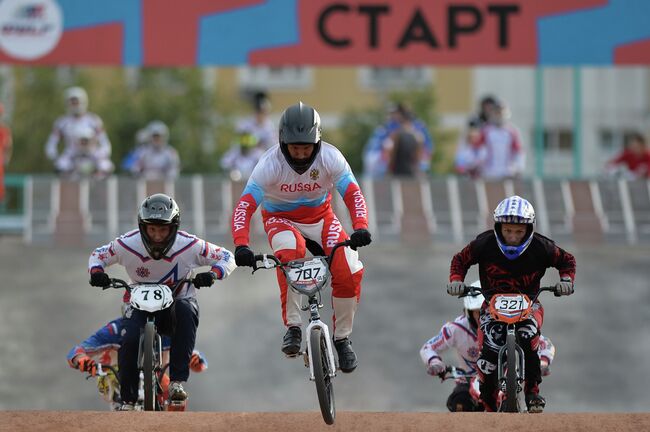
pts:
pixel 300 124
pixel 158 209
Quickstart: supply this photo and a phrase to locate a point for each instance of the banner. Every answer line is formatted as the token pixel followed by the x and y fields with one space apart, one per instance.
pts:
pixel 325 32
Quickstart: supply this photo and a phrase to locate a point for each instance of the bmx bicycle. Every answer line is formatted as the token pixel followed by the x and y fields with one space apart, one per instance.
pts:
pixel 308 276
pixel 510 309
pixel 151 298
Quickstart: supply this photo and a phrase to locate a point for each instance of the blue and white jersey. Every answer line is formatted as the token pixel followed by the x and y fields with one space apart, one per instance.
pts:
pixel 187 253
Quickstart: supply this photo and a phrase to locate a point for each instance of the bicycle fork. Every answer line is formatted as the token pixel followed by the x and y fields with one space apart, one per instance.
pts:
pixel 503 354
pixel 315 322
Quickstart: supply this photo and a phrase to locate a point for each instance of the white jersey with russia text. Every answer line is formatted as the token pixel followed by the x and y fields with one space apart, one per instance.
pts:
pixel 187 253
pixel 302 198
pixel 462 337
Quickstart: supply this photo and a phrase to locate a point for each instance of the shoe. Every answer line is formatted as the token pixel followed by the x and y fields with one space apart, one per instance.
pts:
pixel 347 358
pixel 176 392
pixel 126 407
pixel 292 341
pixel 535 403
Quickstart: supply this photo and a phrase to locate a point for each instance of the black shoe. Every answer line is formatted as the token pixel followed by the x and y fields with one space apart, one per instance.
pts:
pixel 535 403
pixel 347 358
pixel 292 340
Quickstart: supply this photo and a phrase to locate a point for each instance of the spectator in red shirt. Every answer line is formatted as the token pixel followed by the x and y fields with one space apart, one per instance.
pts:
pixel 634 160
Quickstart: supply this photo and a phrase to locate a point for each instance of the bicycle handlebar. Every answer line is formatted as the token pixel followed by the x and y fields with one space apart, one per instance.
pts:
pixel 119 283
pixel 277 263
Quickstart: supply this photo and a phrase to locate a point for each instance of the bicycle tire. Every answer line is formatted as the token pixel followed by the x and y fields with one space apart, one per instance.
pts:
pixel 148 367
pixel 322 378
pixel 510 401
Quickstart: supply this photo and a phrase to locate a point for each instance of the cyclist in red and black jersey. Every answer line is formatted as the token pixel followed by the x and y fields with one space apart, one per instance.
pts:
pixel 512 258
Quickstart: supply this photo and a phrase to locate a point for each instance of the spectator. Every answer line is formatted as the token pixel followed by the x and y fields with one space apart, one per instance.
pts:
pixel 86 160
pixel 377 153
pixel 470 153
pixel 634 161
pixel 242 157
pixel 260 124
pixel 156 160
pixel 65 127
pixel 405 146
pixel 504 156
pixel 5 151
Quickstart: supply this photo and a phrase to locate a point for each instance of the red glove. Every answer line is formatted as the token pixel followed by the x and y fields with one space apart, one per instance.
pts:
pixel 86 364
pixel 198 362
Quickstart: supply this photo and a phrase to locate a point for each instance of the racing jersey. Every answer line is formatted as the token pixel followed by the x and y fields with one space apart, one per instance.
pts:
pixel 302 198
pixel 499 274
pixel 187 253
pixel 462 337
pixel 65 127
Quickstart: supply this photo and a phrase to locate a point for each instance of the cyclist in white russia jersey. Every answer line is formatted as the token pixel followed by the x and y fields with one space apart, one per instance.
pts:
pixel 292 183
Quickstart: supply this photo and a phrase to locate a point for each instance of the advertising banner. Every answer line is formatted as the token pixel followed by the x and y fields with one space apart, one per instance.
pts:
pixel 325 32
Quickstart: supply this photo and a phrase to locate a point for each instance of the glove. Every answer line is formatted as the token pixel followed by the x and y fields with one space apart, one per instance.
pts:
pixel 359 238
pixel 204 279
pixel 564 287
pixel 86 364
pixel 244 256
pixel 455 288
pixel 100 279
pixel 198 363
pixel 436 367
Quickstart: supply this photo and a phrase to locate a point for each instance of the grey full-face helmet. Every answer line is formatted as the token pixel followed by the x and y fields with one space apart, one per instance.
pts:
pixel 158 209
pixel 300 124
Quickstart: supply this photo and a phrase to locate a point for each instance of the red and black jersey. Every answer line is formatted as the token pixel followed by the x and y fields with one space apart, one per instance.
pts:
pixel 499 274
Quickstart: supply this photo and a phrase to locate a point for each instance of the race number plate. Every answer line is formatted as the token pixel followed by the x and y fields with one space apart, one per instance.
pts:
pixel 510 307
pixel 309 274
pixel 151 297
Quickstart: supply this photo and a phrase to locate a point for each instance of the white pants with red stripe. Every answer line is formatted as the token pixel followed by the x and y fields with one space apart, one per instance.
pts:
pixel 287 239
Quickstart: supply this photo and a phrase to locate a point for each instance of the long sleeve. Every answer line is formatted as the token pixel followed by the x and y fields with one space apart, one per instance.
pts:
pixel 241 218
pixel 220 260
pixel 102 257
pixel 437 344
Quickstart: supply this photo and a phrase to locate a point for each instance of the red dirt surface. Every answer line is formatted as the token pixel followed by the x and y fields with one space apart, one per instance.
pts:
pixel 84 421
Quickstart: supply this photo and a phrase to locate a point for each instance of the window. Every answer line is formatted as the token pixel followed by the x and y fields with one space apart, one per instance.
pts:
pixel 558 140
pixel 612 141
pixel 290 77
pixel 394 77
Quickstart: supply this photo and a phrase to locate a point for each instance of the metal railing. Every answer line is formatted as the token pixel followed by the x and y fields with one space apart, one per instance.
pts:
pixel 446 209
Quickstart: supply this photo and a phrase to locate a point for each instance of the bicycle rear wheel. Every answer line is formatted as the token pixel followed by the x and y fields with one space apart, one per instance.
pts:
pixel 148 367
pixel 324 386
pixel 510 402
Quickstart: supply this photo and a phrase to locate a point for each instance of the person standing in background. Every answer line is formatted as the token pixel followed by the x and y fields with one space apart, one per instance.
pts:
pixel 77 115
pixel 260 123
pixel 156 159
pixel 504 154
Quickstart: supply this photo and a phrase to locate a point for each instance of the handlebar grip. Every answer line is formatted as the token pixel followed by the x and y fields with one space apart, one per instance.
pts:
pixel 259 257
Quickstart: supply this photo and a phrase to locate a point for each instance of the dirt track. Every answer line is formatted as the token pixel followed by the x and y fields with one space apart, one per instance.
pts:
pixel 71 421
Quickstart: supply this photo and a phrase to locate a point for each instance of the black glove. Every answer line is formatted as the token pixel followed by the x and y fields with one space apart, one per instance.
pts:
pixel 100 279
pixel 360 237
pixel 204 279
pixel 244 256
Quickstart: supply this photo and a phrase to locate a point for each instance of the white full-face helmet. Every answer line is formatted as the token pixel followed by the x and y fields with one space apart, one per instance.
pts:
pixel 514 210
pixel 76 100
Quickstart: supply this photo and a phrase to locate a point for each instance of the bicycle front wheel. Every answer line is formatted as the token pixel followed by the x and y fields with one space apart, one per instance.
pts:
pixel 324 386
pixel 148 367
pixel 510 402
